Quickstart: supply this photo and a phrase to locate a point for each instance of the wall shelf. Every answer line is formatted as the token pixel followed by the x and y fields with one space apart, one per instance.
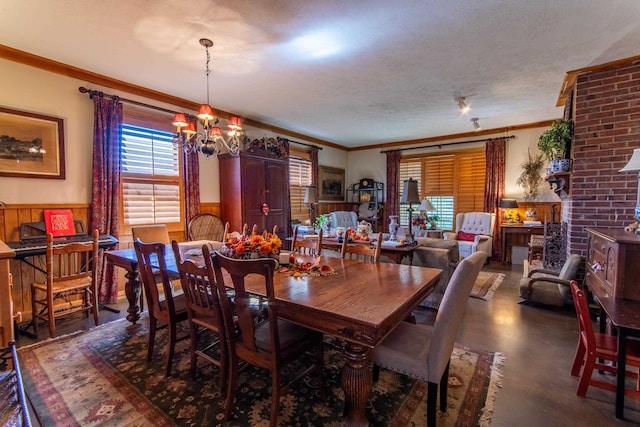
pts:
pixel 371 194
pixel 560 183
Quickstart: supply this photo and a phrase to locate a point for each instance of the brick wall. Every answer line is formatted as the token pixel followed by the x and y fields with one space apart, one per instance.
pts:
pixel 607 129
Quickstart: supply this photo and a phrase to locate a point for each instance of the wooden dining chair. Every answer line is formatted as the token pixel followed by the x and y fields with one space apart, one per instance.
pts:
pixel 206 227
pixel 203 309
pixel 311 246
pixel 151 233
pixel 270 344
pixel 70 283
pixel 595 348
pixel 362 251
pixel 424 352
pixel 165 308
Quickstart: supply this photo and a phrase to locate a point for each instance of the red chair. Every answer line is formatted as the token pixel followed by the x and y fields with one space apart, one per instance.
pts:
pixel 595 348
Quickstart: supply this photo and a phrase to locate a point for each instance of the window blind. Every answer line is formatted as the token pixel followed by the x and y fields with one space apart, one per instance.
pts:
pixel 299 179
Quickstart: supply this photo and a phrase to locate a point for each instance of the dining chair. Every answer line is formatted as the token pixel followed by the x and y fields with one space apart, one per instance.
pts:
pixel 595 348
pixel 311 246
pixel 70 283
pixel 362 251
pixel 166 307
pixel 270 344
pixel 151 233
pixel 206 227
pixel 424 352
pixel 203 309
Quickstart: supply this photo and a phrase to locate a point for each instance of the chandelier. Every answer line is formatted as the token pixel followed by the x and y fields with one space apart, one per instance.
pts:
pixel 210 141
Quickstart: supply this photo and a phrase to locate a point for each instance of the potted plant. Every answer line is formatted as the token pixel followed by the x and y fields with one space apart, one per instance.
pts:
pixel 531 175
pixel 553 144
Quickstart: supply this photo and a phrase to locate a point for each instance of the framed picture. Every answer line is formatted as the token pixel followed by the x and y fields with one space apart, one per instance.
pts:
pixel 331 183
pixel 31 145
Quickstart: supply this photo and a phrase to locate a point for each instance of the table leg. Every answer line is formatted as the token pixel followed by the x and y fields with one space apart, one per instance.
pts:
pixel 620 376
pixel 132 292
pixel 356 384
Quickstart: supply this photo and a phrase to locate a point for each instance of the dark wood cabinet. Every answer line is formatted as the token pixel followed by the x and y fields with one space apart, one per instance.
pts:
pixel 613 266
pixel 249 181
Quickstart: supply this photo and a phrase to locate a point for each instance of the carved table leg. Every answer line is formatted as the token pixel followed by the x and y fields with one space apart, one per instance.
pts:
pixel 356 383
pixel 132 292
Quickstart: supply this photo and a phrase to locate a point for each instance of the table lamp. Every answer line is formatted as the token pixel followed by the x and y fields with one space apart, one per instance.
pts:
pixel 410 197
pixel 311 198
pixel 634 165
pixel 508 204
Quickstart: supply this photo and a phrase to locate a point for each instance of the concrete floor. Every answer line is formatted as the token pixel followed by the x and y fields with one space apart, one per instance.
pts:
pixel 538 344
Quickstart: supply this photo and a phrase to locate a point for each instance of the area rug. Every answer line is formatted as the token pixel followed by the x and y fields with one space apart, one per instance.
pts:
pixel 101 378
pixel 486 284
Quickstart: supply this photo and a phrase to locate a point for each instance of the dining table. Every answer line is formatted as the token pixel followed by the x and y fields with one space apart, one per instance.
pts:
pixel 357 302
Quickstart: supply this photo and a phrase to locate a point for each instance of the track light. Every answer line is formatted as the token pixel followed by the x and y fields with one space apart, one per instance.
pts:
pixel 463 106
pixel 476 125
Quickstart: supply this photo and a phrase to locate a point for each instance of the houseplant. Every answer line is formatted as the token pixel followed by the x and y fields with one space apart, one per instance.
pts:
pixel 531 175
pixel 553 144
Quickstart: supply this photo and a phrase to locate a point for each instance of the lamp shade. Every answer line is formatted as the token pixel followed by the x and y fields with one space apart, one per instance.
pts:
pixel 508 204
pixel 310 195
pixel 634 163
pixel 410 194
pixel 426 205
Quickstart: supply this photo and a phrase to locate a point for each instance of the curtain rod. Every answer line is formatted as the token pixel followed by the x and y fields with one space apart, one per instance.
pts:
pixel 447 143
pixel 93 93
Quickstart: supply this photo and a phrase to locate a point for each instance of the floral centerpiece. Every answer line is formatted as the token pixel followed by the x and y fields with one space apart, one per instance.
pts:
pixel 424 221
pixel 248 247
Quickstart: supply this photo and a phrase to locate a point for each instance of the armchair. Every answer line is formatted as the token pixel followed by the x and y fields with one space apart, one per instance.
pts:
pixel 474 232
pixel 346 219
pixel 550 287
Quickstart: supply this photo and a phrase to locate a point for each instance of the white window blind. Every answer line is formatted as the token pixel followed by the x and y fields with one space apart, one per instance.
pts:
pixel 299 179
pixel 150 177
pixel 411 168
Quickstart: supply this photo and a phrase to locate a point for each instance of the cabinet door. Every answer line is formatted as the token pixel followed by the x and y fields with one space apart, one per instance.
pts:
pixel 277 185
pixel 253 192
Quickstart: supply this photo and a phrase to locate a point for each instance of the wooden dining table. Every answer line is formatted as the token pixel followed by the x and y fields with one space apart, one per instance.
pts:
pixel 360 304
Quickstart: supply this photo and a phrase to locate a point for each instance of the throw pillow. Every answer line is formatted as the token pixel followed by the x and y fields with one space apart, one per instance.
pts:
pixel 469 237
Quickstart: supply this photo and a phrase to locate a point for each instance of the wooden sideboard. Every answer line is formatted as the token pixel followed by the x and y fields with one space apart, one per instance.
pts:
pixel 6 306
pixel 613 263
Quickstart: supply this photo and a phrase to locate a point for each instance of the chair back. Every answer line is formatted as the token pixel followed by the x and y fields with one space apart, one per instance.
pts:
pixel 570 268
pixel 198 285
pixel 476 222
pixel 585 326
pixel 450 313
pixel 75 261
pixel 304 246
pixel 237 270
pixel 152 265
pixel 151 233
pixel 206 227
pixel 361 251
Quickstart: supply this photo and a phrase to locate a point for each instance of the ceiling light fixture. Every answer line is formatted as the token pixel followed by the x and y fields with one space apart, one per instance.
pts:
pixel 462 105
pixel 210 141
pixel 476 125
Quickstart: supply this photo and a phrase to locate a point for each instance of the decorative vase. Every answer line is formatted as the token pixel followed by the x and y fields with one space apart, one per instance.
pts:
pixel 560 165
pixel 393 227
pixel 638 212
pixel 531 214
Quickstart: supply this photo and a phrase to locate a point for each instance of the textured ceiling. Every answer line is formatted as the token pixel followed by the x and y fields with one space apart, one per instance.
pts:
pixel 354 72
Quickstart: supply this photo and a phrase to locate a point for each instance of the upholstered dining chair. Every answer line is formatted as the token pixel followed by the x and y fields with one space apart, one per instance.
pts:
pixel 424 352
pixel 70 270
pixel 206 227
pixel 169 309
pixel 311 246
pixel 361 251
pixel 594 348
pixel 203 309
pixel 270 344
pixel 550 287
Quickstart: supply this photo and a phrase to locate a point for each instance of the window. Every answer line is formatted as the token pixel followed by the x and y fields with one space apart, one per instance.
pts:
pixel 453 182
pixel 299 179
pixel 150 177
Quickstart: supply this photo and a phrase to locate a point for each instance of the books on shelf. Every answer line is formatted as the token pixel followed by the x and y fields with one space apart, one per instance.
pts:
pixel 532 223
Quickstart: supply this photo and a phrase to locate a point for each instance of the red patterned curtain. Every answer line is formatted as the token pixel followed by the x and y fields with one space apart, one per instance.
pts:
pixel 392 204
pixel 313 156
pixel 495 155
pixel 105 187
pixel 191 183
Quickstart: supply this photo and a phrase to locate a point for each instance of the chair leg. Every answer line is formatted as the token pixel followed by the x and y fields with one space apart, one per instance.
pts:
pixel 152 337
pixel 94 302
pixel 320 367
pixel 444 383
pixel 275 397
pixel 376 373
pixel 172 346
pixel 432 396
pixel 193 332
pixel 51 315
pixel 231 387
pixel 578 359
pixel 587 371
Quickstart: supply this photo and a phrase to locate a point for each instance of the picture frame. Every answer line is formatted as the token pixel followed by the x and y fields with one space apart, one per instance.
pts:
pixel 331 183
pixel 31 145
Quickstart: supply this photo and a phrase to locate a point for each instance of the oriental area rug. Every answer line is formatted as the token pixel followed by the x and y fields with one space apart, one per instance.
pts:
pixel 101 377
pixel 486 284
